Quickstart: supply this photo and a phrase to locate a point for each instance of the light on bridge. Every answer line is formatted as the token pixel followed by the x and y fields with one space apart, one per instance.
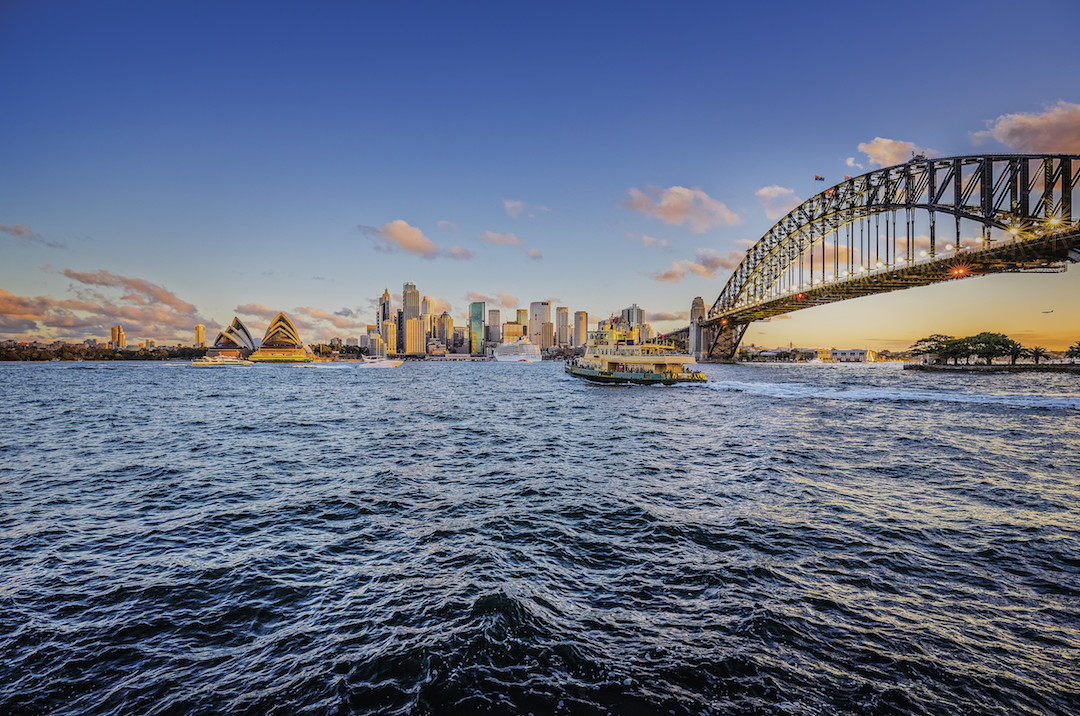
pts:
pixel 922 254
pixel 1055 220
pixel 1014 231
pixel 948 247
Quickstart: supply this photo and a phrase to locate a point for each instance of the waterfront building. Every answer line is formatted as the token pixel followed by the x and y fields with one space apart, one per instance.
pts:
pixel 461 340
pixel 494 326
pixel 375 346
pixel 581 328
pixel 852 355
pixel 523 317
pixel 151 343
pixel 476 327
pixel 389 336
pixel 415 341
pixel 352 342
pixel 282 344
pixel 562 326
pixel 633 316
pixel 335 342
pixel 233 342
pixel 539 314
pixel 547 335
pixel 200 335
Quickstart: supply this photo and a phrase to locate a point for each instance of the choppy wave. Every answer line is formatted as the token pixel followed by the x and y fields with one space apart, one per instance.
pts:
pixel 860 394
pixel 478 538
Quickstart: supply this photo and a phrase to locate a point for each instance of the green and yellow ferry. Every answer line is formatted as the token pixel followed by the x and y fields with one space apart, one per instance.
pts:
pixel 618 356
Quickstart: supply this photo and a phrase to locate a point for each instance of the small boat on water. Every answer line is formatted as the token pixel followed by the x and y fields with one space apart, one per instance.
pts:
pixel 519 351
pixel 219 361
pixel 380 363
pixel 618 356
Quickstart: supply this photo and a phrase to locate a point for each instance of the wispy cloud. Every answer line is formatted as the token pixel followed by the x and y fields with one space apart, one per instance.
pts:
pixel 141 290
pixel 534 254
pixel 853 164
pixel 399 235
pixel 503 299
pixel 25 235
pixel 664 316
pixel 777 200
pixel 1056 130
pixel 515 208
pixel 507 239
pixel 444 224
pixel 145 309
pixel 679 205
pixel 705 264
pixel 884 152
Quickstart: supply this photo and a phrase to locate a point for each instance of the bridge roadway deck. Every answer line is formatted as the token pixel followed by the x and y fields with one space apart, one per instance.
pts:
pixel 1047 253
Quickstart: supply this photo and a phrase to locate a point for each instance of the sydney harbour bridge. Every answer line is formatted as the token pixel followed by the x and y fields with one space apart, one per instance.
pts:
pixel 923 222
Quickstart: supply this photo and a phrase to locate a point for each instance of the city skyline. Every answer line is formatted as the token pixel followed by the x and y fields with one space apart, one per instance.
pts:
pixel 622 158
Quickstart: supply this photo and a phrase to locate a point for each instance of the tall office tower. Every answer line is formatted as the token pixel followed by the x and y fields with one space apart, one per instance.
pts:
pixel 384 308
pixel 633 316
pixel 415 341
pixel 121 342
pixel 562 326
pixel 427 317
pixel 539 314
pixel 151 343
pixel 389 336
pixel 200 335
pixel 494 325
pixel 697 310
pixel 476 328
pixel 410 300
pixel 444 329
pixel 375 346
pixel 512 332
pixel 523 317
pixel 113 338
pixel 399 322
pixel 547 334
pixel 581 328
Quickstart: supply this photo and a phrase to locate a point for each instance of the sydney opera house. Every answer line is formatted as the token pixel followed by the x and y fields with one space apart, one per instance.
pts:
pixel 280 344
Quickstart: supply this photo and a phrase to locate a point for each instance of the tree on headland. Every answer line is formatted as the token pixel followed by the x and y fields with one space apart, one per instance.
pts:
pixel 930 345
pixel 1016 351
pixel 954 349
pixel 1037 352
pixel 989 346
pixel 1074 351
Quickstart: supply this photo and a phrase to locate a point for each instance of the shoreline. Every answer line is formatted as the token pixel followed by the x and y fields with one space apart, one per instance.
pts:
pixel 1019 368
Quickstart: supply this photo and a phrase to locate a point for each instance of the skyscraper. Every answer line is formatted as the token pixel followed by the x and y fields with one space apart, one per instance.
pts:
pixel 384 309
pixel 494 326
pixel 200 335
pixel 410 301
pixel 539 314
pixel 562 326
pixel 581 328
pixel 117 340
pixel 415 341
pixel 389 336
pixel 444 329
pixel 523 317
pixel 633 316
pixel 476 327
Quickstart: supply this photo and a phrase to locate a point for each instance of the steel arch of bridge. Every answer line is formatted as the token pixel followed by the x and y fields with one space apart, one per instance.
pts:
pixel 1026 199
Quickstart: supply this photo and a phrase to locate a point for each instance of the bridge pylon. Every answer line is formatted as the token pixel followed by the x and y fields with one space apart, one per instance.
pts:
pixel 716 342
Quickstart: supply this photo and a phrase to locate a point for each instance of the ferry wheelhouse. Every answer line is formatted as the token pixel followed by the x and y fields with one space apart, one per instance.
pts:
pixel 618 356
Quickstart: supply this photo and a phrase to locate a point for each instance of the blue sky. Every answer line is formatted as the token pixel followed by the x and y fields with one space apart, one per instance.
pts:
pixel 182 160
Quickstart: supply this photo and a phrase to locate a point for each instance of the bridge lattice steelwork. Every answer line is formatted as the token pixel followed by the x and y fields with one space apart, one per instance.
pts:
pixel 914 224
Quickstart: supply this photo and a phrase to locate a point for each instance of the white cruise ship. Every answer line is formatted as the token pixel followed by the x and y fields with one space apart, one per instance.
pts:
pixel 519 351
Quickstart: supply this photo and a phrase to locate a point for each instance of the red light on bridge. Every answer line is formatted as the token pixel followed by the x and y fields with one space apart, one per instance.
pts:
pixel 800 296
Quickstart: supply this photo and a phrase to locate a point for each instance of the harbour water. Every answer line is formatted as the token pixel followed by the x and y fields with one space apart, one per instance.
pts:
pixel 503 538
